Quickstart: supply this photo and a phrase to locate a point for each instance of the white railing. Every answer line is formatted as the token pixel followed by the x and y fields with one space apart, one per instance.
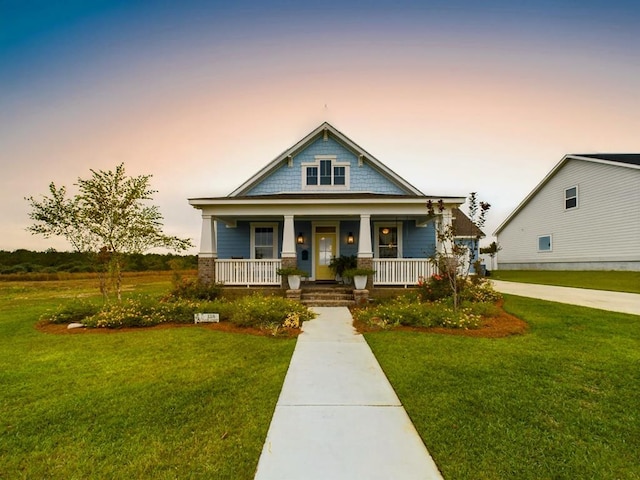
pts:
pixel 247 272
pixel 400 271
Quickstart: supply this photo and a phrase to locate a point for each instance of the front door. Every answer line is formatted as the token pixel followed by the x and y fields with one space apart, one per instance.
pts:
pixel 325 249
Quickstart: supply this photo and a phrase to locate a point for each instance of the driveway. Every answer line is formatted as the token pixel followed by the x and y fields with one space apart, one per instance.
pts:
pixel 604 300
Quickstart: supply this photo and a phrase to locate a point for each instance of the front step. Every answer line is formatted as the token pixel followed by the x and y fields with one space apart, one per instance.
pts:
pixel 327 297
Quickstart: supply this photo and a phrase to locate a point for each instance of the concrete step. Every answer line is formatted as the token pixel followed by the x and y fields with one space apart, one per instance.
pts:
pixel 328 303
pixel 326 296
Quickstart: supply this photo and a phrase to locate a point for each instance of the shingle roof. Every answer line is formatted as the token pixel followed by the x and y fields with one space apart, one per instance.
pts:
pixel 464 227
pixel 630 158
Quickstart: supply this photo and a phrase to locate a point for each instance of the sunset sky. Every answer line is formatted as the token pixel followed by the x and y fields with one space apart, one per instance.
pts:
pixel 455 96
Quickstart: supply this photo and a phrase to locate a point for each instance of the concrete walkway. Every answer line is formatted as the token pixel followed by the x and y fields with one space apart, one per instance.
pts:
pixel 337 416
pixel 604 300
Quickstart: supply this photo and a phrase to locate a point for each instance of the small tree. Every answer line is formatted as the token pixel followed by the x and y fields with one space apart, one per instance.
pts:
pixel 454 259
pixel 492 249
pixel 107 218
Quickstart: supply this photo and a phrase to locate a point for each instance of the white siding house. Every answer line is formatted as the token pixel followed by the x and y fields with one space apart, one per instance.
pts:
pixel 584 215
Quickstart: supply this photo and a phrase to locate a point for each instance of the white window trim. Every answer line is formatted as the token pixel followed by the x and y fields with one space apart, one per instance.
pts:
pixel 550 243
pixel 376 241
pixel 276 237
pixel 334 163
pixel 577 197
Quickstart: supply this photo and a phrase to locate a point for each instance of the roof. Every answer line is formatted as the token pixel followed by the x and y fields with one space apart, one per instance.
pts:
pixel 324 129
pixel 628 158
pixel 332 196
pixel 624 160
pixel 463 225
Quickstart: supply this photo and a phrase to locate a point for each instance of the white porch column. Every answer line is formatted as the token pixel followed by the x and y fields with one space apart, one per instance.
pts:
pixel 444 224
pixel 364 240
pixel 288 238
pixel 209 237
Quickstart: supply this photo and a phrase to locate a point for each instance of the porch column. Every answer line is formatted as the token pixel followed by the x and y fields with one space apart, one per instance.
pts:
pixel 208 250
pixel 288 238
pixel 364 240
pixel 365 252
pixel 445 246
pixel 289 257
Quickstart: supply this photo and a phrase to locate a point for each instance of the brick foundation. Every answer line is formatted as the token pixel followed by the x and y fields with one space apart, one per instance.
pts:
pixel 207 269
pixel 367 263
pixel 287 262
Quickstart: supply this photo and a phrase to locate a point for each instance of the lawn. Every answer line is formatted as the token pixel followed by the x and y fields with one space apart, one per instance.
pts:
pixel 598 280
pixel 185 402
pixel 562 401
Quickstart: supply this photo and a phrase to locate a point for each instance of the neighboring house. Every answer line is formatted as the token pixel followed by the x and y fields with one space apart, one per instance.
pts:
pixel 584 215
pixel 323 197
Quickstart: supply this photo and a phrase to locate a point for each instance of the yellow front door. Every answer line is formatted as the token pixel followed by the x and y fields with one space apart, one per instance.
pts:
pixel 325 251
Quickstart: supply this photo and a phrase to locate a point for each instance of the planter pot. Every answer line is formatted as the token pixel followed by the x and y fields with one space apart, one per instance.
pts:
pixel 294 282
pixel 360 282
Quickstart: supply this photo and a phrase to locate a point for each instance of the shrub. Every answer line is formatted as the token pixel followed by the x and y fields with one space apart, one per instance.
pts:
pixel 74 311
pixel 258 310
pixel 480 292
pixel 434 288
pixel 195 289
pixel 402 311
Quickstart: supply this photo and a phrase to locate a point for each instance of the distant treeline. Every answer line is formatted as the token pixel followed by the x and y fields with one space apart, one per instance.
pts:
pixel 52 261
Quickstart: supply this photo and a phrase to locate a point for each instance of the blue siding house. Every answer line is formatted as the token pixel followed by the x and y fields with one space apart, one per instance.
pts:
pixel 321 198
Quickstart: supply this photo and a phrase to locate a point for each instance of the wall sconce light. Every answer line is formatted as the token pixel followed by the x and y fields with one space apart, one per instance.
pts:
pixel 350 239
pixel 300 239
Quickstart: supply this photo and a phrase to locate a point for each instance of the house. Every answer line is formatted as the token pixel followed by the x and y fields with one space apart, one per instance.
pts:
pixel 584 215
pixel 323 197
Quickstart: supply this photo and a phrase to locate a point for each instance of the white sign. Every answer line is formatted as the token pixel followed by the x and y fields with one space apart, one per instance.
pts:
pixel 206 317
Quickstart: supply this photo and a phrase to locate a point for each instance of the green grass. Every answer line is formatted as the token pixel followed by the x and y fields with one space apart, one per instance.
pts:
pixel 598 280
pixel 183 402
pixel 561 402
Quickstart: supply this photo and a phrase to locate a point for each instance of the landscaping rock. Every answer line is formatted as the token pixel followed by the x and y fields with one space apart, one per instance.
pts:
pixel 75 325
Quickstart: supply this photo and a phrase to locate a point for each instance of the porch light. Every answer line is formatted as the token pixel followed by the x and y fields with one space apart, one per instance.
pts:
pixel 385 231
pixel 300 239
pixel 350 238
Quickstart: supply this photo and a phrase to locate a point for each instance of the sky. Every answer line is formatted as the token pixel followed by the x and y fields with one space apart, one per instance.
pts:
pixel 455 96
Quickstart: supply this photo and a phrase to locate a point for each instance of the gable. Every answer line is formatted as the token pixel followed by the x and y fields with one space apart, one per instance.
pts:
pixel 621 162
pixel 323 162
pixel 294 175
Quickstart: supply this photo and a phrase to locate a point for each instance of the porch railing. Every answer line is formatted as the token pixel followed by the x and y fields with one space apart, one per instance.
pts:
pixel 247 272
pixel 400 271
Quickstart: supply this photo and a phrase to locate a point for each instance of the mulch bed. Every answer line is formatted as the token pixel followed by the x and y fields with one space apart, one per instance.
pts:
pixel 501 326
pixel 61 329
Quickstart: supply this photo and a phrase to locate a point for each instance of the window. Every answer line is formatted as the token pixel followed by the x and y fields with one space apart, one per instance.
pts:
pixel 571 198
pixel 544 243
pixel 388 240
pixel 264 241
pixel 312 175
pixel 325 172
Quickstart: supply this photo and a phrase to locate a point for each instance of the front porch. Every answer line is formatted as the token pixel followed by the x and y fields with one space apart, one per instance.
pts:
pixel 402 272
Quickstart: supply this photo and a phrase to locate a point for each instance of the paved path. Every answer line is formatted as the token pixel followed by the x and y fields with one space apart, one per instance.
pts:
pixel 604 300
pixel 337 416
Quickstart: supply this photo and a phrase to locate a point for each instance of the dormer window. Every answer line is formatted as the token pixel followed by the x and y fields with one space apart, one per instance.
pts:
pixel 325 172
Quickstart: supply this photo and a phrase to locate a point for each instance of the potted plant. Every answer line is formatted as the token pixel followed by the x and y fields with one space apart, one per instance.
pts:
pixel 293 275
pixel 338 265
pixel 359 276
